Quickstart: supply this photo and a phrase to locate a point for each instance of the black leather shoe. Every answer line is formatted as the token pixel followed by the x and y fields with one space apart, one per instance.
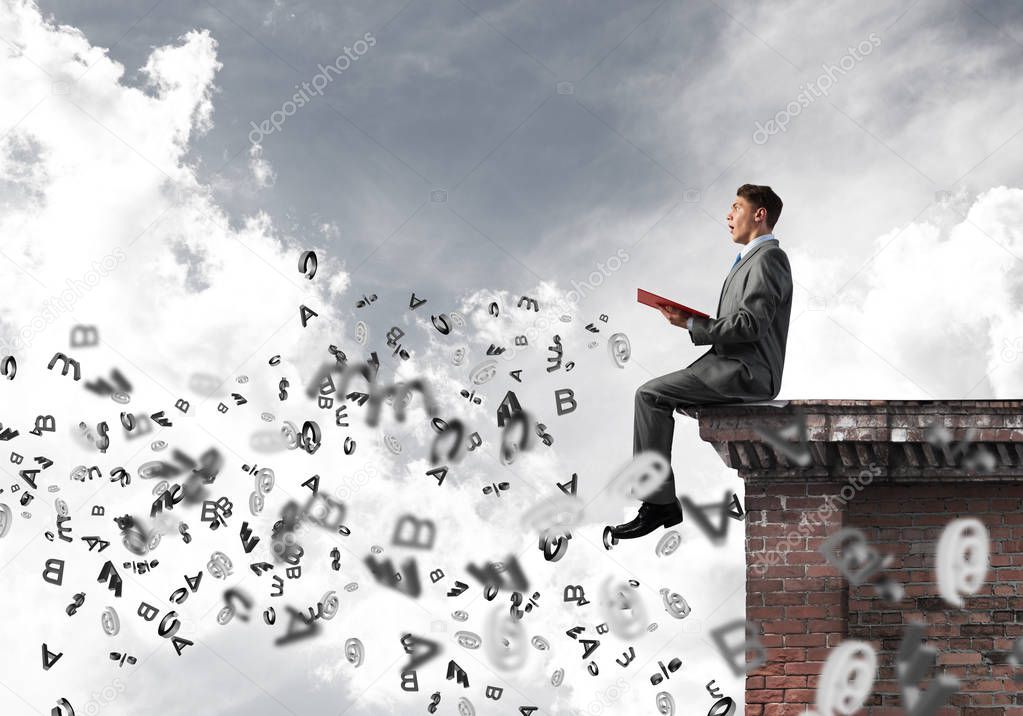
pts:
pixel 650 517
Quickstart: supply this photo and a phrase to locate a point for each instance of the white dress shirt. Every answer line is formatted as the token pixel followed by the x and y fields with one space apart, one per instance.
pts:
pixel 742 254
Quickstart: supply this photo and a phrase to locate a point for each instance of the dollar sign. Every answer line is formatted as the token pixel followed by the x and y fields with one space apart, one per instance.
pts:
pixel 79 599
pixel 543 435
pixel 283 385
pixel 434 700
pixel 516 599
pixel 183 529
pixel 336 563
pixel 104 442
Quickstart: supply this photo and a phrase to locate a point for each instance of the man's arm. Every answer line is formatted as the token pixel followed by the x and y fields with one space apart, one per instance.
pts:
pixel 764 292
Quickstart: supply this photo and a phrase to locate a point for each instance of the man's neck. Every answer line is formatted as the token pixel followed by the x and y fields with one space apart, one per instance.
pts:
pixel 763 232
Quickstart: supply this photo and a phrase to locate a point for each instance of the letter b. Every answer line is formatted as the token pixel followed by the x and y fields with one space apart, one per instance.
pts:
pixel 409 681
pixel 565 397
pixel 54 567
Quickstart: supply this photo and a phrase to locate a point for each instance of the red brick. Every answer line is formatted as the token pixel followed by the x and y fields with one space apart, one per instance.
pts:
pixel 805 640
pixel 764 696
pixel 808 612
pixel 783 709
pixel 799 696
pixel 785 682
pixel 784 627
pixel 783 598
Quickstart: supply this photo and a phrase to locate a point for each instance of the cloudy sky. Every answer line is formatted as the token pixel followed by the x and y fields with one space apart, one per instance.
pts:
pixel 159 180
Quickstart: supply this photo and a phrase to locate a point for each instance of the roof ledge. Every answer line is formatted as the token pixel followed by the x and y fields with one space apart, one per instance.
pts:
pixel 898 440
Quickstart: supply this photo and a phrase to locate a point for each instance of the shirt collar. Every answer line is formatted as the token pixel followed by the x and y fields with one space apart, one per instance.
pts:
pixel 760 239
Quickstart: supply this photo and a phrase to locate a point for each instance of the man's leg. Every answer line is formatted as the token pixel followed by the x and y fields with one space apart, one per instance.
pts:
pixel 654 422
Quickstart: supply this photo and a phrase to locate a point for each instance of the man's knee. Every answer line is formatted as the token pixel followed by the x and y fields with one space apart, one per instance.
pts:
pixel 649 393
pixel 643 391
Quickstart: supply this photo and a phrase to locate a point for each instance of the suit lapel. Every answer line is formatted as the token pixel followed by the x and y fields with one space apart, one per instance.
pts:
pixel 735 268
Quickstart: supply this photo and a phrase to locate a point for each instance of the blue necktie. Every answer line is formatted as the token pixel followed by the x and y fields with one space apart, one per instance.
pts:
pixel 738 258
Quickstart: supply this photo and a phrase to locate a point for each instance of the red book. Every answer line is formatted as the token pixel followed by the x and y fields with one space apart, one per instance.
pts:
pixel 652 299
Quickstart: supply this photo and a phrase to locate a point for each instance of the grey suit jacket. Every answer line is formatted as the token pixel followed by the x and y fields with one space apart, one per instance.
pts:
pixel 747 340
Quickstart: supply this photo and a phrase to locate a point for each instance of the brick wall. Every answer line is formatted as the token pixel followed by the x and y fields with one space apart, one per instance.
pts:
pixel 973 642
pixel 874 469
pixel 798 600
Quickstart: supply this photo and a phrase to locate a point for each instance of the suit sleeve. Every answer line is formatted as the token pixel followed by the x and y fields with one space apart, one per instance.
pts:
pixel 765 289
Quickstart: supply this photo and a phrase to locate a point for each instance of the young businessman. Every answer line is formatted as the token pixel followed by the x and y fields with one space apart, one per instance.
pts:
pixel 747 354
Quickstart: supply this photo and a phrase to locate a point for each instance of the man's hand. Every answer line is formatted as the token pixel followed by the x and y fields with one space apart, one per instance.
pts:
pixel 675 316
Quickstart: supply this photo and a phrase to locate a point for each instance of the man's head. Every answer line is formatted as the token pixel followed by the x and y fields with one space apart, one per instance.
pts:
pixel 754 212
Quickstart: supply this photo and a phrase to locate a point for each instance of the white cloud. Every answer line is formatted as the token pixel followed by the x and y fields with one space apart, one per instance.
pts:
pixel 928 317
pixel 260 167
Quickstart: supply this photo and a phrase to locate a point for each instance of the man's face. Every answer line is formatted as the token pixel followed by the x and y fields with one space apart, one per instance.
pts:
pixel 740 220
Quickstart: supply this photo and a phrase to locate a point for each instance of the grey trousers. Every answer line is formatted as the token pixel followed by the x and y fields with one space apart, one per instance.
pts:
pixel 654 426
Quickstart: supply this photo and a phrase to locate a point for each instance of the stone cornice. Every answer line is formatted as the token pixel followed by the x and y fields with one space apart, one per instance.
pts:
pixel 978 440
